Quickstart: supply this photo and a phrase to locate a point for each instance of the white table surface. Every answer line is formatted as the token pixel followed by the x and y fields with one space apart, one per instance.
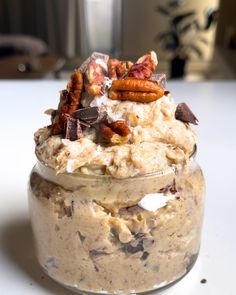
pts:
pixel 22 106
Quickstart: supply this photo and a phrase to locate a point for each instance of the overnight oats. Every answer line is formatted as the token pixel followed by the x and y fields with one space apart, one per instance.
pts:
pixel 116 197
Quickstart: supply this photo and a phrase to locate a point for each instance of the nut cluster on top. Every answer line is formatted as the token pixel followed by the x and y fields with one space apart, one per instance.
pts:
pixel 134 82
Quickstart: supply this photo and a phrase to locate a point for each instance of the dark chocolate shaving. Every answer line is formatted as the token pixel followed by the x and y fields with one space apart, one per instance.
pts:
pixel 73 129
pixel 171 188
pixel 91 115
pixel 184 114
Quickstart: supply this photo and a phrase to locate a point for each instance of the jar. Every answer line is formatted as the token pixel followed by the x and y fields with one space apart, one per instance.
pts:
pixel 93 233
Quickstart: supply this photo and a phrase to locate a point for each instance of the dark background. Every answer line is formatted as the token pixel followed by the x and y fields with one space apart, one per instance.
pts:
pixel 194 40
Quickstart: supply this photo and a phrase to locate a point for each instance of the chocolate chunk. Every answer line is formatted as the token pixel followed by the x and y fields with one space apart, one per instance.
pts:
pixel 171 188
pixel 184 114
pixel 73 129
pixel 145 255
pixel 99 252
pixel 139 235
pixel 82 238
pixel 91 115
pixel 167 92
pixel 128 248
pixel 203 281
pixel 57 228
pixel 160 79
pixel 95 56
pixel 115 233
pixel 130 210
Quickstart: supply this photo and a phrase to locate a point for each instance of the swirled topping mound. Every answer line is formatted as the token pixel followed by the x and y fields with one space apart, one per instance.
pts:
pixel 117 118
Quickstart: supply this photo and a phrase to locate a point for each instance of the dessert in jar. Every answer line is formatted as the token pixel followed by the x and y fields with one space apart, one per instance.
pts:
pixel 116 197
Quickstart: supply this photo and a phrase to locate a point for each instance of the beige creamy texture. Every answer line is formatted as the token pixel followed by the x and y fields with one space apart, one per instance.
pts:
pixel 158 141
pixel 92 234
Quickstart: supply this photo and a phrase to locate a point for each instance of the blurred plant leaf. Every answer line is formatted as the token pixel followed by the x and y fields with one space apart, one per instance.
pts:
pixel 162 10
pixel 211 18
pixel 170 40
pixel 171 45
pixel 203 40
pixel 196 50
pixel 190 26
pixel 163 36
pixel 175 3
pixel 179 18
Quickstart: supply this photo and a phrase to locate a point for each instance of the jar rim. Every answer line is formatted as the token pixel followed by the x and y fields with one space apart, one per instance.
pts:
pixel 171 169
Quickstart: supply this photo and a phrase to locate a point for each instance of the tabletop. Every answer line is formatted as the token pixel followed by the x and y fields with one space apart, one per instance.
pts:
pixel 22 107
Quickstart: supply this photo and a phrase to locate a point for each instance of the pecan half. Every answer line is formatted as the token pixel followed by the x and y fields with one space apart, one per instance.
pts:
pixel 135 96
pixel 116 133
pixel 144 67
pixel 132 84
pixel 149 60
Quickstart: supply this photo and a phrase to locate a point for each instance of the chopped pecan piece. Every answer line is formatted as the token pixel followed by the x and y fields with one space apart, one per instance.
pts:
pixel 116 133
pixel 95 76
pixel 76 82
pixel 135 96
pixel 144 67
pixel 120 128
pixel 117 68
pixel 132 84
pixel 69 103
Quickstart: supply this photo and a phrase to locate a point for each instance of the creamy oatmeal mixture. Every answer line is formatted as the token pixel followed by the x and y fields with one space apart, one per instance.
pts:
pixel 158 141
pixel 102 222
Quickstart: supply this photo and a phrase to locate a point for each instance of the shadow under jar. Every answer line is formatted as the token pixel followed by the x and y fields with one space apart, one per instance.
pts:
pixel 93 237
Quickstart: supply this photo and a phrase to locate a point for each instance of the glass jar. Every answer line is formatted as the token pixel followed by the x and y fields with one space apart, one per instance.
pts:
pixel 94 234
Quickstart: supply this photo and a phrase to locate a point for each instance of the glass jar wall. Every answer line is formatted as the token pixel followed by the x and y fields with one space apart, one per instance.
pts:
pixel 105 235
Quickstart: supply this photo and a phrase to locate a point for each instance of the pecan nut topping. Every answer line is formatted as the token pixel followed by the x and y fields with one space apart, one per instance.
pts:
pixel 116 133
pixel 136 96
pixel 69 103
pixel 132 84
pixel 144 67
